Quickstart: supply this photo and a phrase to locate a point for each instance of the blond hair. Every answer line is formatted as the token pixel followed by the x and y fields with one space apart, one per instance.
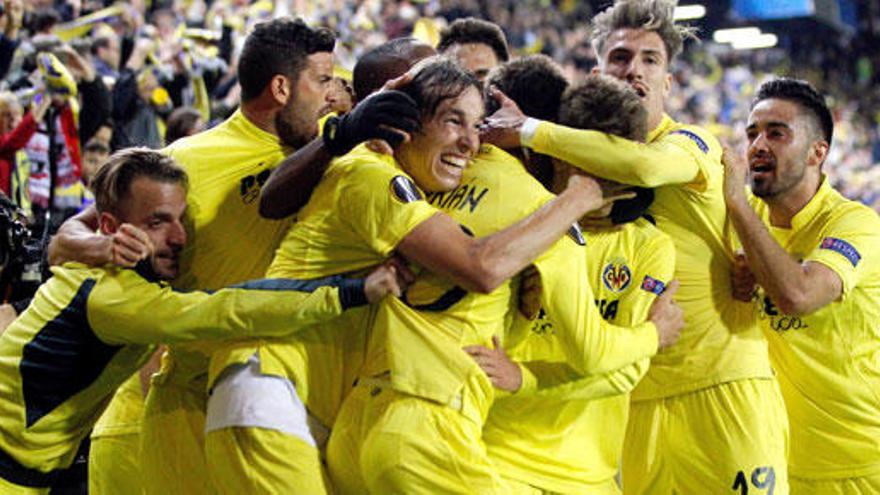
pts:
pixel 650 15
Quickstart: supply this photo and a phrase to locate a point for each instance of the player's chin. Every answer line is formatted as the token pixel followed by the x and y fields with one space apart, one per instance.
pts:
pixel 167 268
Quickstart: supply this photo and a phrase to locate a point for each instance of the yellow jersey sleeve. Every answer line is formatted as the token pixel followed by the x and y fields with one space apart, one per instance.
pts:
pixel 127 309
pixel 381 204
pixel 591 344
pixel 680 157
pixel 844 244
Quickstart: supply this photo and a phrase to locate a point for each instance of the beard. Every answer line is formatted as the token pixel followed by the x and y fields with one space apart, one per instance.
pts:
pixel 290 127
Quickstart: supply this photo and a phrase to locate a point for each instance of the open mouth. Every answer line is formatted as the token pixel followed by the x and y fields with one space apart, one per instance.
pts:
pixel 762 168
pixel 455 161
pixel 640 90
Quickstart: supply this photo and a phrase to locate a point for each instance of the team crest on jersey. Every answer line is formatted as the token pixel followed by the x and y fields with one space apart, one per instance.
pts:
pixel 405 190
pixel 616 276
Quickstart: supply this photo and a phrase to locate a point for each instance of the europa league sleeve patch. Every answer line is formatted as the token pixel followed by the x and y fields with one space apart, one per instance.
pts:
pixel 653 285
pixel 841 247
pixel 405 190
pixel 695 138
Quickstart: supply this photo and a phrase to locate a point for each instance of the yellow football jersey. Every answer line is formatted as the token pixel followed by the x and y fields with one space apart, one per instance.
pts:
pixel 425 337
pixel 228 241
pixel 362 208
pixel 828 362
pixel 88 330
pixel 721 340
pixel 562 441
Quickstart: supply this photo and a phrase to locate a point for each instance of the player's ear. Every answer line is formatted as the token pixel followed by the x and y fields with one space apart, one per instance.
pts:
pixel 280 88
pixel 818 153
pixel 108 223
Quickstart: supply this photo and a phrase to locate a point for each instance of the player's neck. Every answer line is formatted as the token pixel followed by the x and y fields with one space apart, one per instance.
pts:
pixel 260 114
pixel 785 206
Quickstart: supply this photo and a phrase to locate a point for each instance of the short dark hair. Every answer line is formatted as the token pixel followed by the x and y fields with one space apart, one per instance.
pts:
pixel 605 104
pixel 279 46
pixel 805 95
pixel 535 83
pixel 602 103
pixel 437 79
pixel 112 182
pixel 473 30
pixel 383 63
pixel 180 123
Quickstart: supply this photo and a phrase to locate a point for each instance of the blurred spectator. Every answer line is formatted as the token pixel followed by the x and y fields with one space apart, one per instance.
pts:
pixel 183 122
pixel 15 133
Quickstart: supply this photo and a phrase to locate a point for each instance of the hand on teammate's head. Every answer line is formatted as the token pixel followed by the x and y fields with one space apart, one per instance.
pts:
pixel 130 245
pixel 503 127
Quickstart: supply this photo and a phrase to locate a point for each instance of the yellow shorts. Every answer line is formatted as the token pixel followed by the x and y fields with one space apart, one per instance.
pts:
pixel 863 485
pixel 173 441
pixel 416 446
pixel 258 460
pixel 730 438
pixel 114 465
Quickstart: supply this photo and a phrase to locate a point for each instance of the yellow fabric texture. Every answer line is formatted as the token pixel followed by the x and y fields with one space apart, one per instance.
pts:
pixel 863 485
pixel 709 441
pixel 50 403
pixel 562 441
pixel 721 340
pixel 287 464
pixel 114 453
pixel 228 243
pixel 828 361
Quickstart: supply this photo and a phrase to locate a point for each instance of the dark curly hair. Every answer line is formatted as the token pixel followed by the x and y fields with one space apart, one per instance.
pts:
pixel 473 30
pixel 279 46
pixel 805 95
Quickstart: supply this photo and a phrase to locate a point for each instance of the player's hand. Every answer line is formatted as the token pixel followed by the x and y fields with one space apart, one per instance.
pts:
pixel 503 127
pixel 667 317
pixel 736 171
pixel 391 277
pixel 388 115
pixel 530 290
pixel 742 280
pixel 504 373
pixel 129 246
pixel 7 316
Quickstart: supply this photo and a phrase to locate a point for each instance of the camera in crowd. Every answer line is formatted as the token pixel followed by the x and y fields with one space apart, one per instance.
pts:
pixel 21 254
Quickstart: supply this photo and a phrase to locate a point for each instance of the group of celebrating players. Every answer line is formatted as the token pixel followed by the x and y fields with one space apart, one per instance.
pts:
pixel 482 279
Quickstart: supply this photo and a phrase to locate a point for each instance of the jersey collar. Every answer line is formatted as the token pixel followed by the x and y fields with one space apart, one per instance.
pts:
pixel 813 207
pixel 250 129
pixel 666 124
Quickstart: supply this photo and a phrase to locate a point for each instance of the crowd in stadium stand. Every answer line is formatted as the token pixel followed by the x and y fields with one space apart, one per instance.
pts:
pixel 145 73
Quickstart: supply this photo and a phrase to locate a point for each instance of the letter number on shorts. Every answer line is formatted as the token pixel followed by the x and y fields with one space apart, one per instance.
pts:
pixel 763 478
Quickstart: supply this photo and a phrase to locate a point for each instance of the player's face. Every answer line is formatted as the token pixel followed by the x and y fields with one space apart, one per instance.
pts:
pixel 778 147
pixel 157 208
pixel 478 58
pixel 297 122
pixel 438 154
pixel 638 58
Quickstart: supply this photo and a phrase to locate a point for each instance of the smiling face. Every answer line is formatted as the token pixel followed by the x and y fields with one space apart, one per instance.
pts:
pixel 297 122
pixel 438 154
pixel 783 146
pixel 638 58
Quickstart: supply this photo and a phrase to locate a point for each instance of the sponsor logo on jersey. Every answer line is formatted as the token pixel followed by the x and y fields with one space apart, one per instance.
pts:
pixel 405 190
pixel 842 247
pixel 249 187
pixel 653 285
pixel 695 138
pixel 616 277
